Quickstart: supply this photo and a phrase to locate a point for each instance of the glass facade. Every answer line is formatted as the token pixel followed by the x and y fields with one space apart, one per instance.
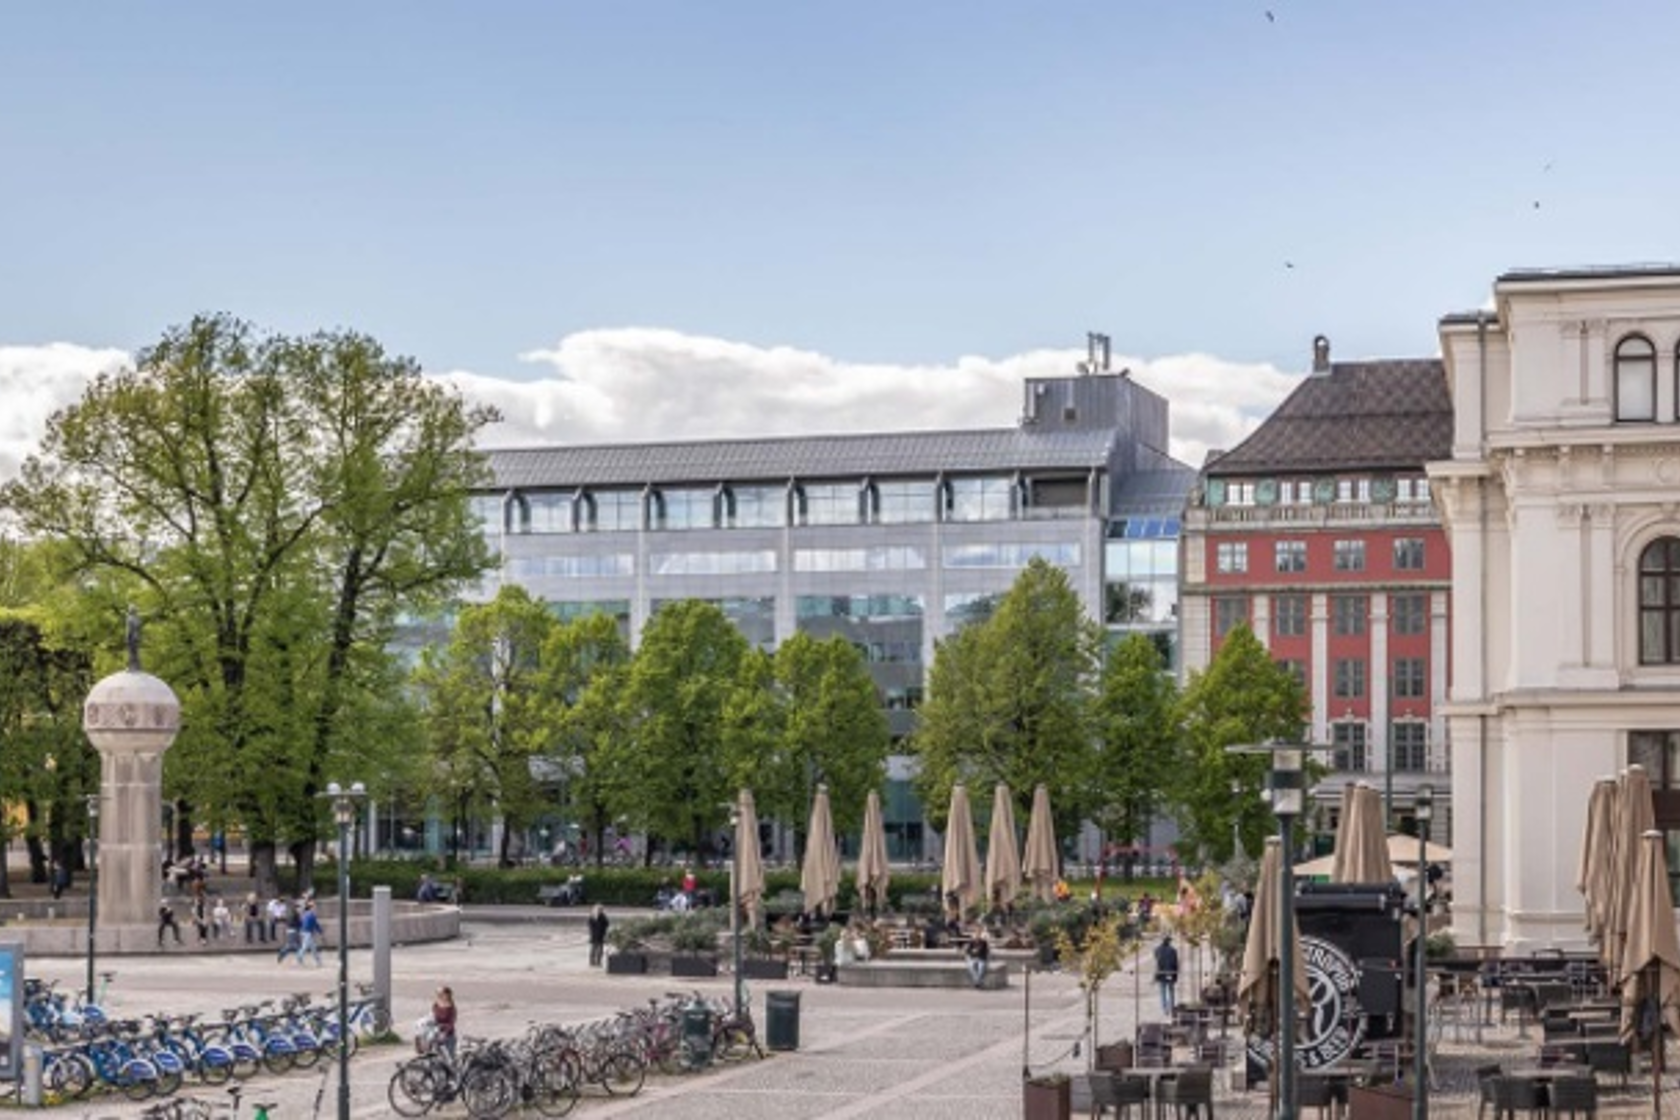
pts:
pixel 967 609
pixel 754 618
pixel 570 610
pixel 888 630
pixel 980 499
pixel 712 563
pixel 828 503
pixel 540 511
pixel 574 567
pixel 679 509
pixel 904 503
pixel 882 558
pixel 615 511
pixel 1010 556
pixel 757 507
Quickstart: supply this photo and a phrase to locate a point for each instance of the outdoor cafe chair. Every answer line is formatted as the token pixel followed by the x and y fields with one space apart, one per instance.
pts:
pixel 1574 1096
pixel 1610 1057
pixel 1316 1092
pixel 1510 1095
pixel 1189 1094
pixel 1116 1093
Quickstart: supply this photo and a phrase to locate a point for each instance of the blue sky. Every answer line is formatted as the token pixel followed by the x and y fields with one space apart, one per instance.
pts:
pixel 891 184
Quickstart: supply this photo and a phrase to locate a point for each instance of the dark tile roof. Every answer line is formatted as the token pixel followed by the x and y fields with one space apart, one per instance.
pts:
pixel 1383 415
pixel 1163 492
pixel 776 460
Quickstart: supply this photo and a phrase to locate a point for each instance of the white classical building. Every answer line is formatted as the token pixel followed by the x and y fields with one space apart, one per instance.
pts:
pixel 1562 505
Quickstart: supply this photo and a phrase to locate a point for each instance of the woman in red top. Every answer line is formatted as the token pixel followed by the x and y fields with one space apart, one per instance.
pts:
pixel 443 1017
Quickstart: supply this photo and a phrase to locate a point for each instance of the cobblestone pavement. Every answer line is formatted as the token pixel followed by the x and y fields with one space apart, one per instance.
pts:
pixel 893 1054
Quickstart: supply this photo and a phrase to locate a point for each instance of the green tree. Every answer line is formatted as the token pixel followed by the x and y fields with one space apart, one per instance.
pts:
pixel 272 505
pixel 584 666
pixel 1010 700
pixel 669 774
pixel 1242 697
pixel 484 709
pixel 1138 740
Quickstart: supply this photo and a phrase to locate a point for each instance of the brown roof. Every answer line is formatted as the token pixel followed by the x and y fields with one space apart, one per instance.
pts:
pixel 1384 415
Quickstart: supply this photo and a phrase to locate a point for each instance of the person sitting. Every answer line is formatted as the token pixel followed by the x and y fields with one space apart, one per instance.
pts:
pixel 978 952
pixel 428 891
pixel 933 935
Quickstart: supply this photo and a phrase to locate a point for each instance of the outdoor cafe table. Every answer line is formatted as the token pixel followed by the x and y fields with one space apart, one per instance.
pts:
pixel 1153 1075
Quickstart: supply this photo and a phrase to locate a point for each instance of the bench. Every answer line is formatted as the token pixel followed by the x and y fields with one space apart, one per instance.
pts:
pixel 890 972
pixel 560 894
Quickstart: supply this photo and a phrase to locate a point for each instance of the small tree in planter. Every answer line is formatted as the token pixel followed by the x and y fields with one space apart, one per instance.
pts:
pixel 1093 958
pixel 759 960
pixel 629 947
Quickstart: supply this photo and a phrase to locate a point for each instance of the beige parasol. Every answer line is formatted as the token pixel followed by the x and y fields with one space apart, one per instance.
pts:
pixel 1003 852
pixel 1259 989
pixel 1040 864
pixel 873 873
pixel 1632 816
pixel 1365 839
pixel 1341 853
pixel 1404 849
pixel 749 880
pixel 960 875
pixel 1650 967
pixel 819 874
pixel 1591 880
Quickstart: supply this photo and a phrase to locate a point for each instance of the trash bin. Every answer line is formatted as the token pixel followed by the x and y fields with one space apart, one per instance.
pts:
pixel 781 1020
pixel 697 1036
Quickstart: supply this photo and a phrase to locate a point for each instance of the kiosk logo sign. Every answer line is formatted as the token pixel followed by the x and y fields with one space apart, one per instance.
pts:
pixel 1336 1023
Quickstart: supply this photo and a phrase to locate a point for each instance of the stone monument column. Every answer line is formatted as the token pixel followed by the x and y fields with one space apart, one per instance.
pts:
pixel 131 717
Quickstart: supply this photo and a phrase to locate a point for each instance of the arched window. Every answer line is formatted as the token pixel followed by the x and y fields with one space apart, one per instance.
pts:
pixel 1659 602
pixel 1636 379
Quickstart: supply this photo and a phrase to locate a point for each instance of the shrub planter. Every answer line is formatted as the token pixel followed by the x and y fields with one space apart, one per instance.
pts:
pixel 1048 1098
pixel 627 964
pixel 762 968
pixel 685 965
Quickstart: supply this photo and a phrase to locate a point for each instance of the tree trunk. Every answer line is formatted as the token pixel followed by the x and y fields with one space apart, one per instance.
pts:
pixel 303 854
pixel 263 868
pixel 183 829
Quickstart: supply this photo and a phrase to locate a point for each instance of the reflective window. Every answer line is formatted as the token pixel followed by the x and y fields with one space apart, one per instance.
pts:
pixel 757 507
pixel 1349 556
pixel 1409 612
pixel 981 499
pixel 1408 554
pixel 613 511
pixel 1010 556
pixel 544 512
pixel 828 503
pixel 1289 616
pixel 885 629
pixel 574 567
pixel 1348 739
pixel 1636 379
pixel 1659 602
pixel 755 618
pixel 1412 490
pixel 903 503
pixel 486 509
pixel 685 509
pixel 1409 679
pixel 1349 613
pixel 1408 744
pixel 1231 557
pixel 1141 559
pixel 1349 678
pixel 712 563
pixel 965 610
pixel 1228 612
pixel 1290 556
pixel 877 558
pixel 859 606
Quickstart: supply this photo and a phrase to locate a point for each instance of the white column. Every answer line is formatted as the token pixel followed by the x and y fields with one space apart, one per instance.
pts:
pixel 1320 668
pixel 1378 624
pixel 1569 575
pixel 1439 632
pixel 1261 619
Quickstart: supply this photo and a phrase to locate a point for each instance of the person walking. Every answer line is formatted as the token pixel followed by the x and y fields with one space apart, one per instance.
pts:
pixel 293 940
pixel 444 1021
pixel 597 935
pixel 1166 972
pixel 309 930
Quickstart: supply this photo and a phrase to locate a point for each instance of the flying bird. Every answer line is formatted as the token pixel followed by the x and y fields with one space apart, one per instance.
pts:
pixel 1288 264
pixel 1270 18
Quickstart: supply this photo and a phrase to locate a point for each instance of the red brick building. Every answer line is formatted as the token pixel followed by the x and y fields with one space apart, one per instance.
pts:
pixel 1319 533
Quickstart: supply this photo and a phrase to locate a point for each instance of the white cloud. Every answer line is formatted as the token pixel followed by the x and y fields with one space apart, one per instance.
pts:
pixel 605 386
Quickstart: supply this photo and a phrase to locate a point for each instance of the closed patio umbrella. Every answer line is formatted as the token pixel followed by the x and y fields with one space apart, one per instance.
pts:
pixel 1003 853
pixel 873 872
pixel 1591 880
pixel 1365 839
pixel 749 883
pixel 1633 816
pixel 960 875
pixel 1041 864
pixel 1403 849
pixel 1259 994
pixel 819 874
pixel 1341 853
pixel 1650 968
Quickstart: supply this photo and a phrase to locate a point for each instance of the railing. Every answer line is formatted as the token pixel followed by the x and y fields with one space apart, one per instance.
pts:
pixel 1420 513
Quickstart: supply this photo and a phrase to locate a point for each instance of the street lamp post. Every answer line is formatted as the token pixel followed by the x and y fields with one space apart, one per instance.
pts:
pixel 93 885
pixel 1288 796
pixel 735 901
pixel 1424 811
pixel 344 814
pixel 1236 820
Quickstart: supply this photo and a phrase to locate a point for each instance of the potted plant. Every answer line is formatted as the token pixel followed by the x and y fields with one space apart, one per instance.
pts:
pixel 629 949
pixel 694 947
pixel 1047 1097
pixel 825 943
pixel 759 961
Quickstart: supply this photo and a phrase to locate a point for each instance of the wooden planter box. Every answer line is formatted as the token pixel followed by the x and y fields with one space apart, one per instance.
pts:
pixel 1047 1100
pixel 1379 1102
pixel 692 966
pixel 760 968
pixel 627 964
